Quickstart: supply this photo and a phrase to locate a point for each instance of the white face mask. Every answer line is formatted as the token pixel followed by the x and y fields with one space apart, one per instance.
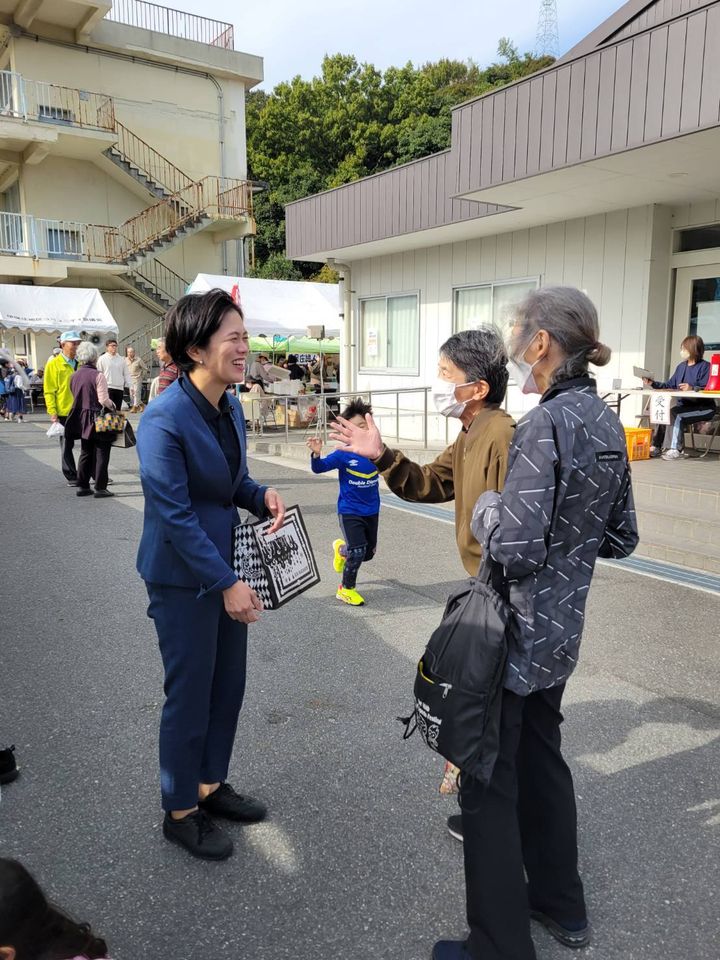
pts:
pixel 684 355
pixel 443 395
pixel 522 372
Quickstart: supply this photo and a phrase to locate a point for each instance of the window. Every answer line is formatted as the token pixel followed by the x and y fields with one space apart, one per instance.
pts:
pixel 390 334
pixel 488 304
pixel 64 244
pixel 699 238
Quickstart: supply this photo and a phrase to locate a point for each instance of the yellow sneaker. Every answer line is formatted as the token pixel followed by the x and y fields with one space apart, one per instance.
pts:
pixel 338 558
pixel 350 596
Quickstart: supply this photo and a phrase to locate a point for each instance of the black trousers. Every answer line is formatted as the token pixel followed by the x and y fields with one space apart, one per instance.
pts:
pixel 67 457
pixel 94 462
pixel 360 535
pixel 116 396
pixel 526 817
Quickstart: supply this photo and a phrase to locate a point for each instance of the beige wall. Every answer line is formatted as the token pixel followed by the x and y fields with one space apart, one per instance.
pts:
pixel 174 113
pixel 620 259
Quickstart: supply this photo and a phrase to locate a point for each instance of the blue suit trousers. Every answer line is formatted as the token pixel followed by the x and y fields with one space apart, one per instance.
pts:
pixel 204 653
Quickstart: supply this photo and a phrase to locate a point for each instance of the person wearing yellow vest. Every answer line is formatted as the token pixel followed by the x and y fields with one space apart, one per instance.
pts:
pixel 59 398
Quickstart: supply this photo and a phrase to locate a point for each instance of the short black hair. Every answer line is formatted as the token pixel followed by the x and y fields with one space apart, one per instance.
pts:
pixel 109 341
pixel 292 358
pixel 481 355
pixel 192 321
pixel 356 407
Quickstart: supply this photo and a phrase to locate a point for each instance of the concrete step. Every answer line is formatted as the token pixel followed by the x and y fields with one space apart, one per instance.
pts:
pixel 679 551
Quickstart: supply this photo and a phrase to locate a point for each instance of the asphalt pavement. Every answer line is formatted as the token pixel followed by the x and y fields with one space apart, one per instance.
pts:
pixel 354 862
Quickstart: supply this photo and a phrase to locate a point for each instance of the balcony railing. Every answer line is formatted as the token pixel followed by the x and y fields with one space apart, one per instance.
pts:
pixel 174 23
pixel 162 279
pixel 51 103
pixel 147 159
pixel 22 235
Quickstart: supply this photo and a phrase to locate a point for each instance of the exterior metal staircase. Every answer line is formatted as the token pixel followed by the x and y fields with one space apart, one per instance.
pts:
pixel 147 167
pixel 155 285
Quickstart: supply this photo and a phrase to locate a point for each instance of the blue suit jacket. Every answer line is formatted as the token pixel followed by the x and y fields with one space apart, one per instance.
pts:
pixel 191 499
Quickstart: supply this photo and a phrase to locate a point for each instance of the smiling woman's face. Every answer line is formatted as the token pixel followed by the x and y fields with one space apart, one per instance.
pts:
pixel 224 356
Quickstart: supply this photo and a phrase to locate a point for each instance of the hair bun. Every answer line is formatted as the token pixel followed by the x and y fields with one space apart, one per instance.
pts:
pixel 599 355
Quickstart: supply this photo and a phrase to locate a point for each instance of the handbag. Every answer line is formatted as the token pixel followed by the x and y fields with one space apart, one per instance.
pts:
pixel 109 422
pixel 279 566
pixel 459 680
pixel 125 437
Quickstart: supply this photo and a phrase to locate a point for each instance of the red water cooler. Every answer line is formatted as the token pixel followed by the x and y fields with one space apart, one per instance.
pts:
pixel 714 381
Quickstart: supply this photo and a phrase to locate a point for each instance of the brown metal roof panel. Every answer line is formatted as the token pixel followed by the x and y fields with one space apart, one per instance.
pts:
pixel 656 85
pixel 534 127
pixel 575 111
pixel 674 70
pixel 606 100
pixel 497 151
pixel 710 97
pixel 486 142
pixel 474 118
pixel 562 117
pixel 590 107
pixel 509 135
pixel 521 129
pixel 547 122
pixel 638 90
pixel 693 79
pixel 621 98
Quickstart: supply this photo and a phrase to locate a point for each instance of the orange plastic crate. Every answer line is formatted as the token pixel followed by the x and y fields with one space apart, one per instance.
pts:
pixel 638 441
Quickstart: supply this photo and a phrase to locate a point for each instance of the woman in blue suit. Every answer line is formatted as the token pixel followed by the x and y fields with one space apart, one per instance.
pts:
pixel 193 468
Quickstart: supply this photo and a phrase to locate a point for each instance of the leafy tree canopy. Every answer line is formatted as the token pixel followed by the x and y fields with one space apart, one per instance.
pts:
pixel 351 121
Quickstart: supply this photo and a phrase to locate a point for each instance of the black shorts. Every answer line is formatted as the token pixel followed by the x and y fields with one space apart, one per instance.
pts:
pixel 360 530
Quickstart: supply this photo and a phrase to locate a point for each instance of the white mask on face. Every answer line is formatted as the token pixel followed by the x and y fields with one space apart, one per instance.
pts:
pixel 684 355
pixel 443 395
pixel 522 372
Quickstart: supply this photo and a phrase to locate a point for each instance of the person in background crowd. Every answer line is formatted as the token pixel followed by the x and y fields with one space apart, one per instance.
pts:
pixel 8 765
pixel 567 499
pixel 138 369
pixel 91 398
pixel 58 396
pixel 470 386
pixel 692 373
pixel 5 369
pixel 36 383
pixel 169 371
pixel 193 468
pixel 116 372
pixel 296 371
pixel 31 928
pixel 16 382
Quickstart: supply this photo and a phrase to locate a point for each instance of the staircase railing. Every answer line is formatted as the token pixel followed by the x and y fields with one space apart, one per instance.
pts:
pixel 149 161
pixel 52 103
pixel 168 283
pixel 174 23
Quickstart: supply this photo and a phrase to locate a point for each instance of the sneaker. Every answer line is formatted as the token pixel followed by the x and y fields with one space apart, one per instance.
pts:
pixel 451 950
pixel 198 835
pixel 454 825
pixel 348 595
pixel 72 483
pixel 575 936
pixel 338 558
pixel 83 492
pixel 225 802
pixel 671 455
pixel 99 494
pixel 8 765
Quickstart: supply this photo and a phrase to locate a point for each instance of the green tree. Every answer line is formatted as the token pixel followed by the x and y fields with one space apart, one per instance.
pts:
pixel 351 121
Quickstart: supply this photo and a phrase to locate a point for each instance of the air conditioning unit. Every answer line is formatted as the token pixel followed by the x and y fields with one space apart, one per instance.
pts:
pixel 316 332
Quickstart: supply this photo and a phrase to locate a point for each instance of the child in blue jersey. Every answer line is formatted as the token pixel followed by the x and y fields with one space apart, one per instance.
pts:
pixel 358 505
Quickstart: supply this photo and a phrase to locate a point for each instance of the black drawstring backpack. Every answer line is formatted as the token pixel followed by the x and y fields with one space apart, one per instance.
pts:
pixel 459 680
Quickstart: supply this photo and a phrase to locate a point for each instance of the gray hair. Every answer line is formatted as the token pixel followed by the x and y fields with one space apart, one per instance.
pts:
pixel 86 352
pixel 570 318
pixel 480 354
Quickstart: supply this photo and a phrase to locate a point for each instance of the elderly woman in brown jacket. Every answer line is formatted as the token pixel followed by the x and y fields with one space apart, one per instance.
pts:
pixel 90 390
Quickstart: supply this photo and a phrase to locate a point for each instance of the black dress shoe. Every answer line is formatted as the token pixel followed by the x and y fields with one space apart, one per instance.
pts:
pixel 198 835
pixel 83 492
pixel 224 802
pixel 455 826
pixel 99 494
pixel 579 937
pixel 8 766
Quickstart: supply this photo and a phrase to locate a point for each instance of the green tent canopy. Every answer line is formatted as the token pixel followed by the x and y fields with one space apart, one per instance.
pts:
pixel 287 345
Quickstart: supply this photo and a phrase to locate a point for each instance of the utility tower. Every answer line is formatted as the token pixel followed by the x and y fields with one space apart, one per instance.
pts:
pixel 548 36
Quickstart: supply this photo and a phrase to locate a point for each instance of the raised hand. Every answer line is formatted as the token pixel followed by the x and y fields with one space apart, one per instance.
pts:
pixel 365 441
pixel 315 444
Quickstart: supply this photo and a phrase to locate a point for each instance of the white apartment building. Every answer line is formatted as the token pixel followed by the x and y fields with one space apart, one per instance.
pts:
pixel 122 154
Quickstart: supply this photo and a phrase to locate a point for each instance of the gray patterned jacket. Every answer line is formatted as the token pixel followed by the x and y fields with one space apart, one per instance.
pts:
pixel 567 499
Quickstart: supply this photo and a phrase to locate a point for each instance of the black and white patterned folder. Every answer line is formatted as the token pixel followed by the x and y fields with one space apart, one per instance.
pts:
pixel 279 566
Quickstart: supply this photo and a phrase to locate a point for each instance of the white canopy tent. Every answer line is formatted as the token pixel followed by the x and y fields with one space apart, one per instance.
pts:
pixel 31 317
pixel 282 308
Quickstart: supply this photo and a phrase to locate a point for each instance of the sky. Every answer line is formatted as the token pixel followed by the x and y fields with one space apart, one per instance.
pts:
pixel 293 36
